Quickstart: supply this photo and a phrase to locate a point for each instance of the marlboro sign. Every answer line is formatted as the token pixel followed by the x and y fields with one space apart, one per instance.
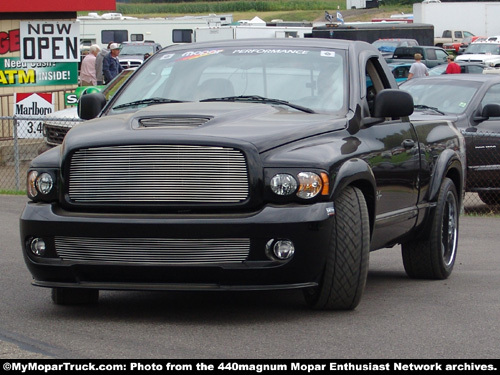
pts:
pixel 34 105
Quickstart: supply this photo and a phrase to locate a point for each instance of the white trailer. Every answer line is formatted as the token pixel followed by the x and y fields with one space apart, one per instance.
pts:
pixel 164 31
pixel 252 29
pixel 480 18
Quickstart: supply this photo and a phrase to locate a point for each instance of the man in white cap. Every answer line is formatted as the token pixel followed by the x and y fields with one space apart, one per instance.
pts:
pixel 87 69
pixel 111 65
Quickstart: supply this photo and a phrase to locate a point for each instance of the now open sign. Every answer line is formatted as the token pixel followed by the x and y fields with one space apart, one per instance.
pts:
pixel 49 41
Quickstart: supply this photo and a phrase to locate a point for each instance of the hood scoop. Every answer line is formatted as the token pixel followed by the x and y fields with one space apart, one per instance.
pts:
pixel 174 122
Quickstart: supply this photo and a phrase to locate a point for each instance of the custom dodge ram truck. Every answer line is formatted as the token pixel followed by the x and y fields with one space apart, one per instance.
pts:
pixel 245 165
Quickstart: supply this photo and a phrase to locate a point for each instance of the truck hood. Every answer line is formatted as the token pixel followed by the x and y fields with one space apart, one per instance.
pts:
pixel 264 126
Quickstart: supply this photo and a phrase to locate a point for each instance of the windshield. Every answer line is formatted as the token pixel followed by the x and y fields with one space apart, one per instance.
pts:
pixel 446 96
pixel 130 49
pixel 116 83
pixel 483 48
pixel 310 78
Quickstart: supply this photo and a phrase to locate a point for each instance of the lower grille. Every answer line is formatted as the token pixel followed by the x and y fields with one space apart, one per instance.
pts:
pixel 158 173
pixel 153 250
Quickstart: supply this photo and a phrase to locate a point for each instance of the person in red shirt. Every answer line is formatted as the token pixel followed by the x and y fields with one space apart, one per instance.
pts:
pixel 453 67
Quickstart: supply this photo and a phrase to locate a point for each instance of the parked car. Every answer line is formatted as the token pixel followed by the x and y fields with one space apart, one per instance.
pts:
pixel 247 164
pixel 472 101
pixel 459 47
pixel 387 46
pixel 465 67
pixel 400 71
pixel 57 124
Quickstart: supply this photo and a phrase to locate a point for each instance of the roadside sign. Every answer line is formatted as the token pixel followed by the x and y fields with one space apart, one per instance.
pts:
pixel 36 105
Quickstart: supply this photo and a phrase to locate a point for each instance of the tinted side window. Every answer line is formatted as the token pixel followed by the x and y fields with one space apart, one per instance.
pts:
pixel 182 36
pixel 441 55
pixel 431 54
pixel 117 36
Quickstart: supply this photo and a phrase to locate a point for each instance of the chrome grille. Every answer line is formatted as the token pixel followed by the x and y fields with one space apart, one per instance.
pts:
pixel 158 173
pixel 153 250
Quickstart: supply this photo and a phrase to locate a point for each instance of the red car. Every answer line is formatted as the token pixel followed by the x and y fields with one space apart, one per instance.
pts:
pixel 459 47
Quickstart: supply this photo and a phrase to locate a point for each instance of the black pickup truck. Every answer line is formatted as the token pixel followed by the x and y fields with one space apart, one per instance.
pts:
pixel 245 165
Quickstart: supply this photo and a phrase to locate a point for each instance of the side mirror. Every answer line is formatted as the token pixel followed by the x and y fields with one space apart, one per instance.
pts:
pixel 393 103
pixel 489 110
pixel 90 105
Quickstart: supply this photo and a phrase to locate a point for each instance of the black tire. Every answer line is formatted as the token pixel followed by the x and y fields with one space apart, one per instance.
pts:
pixel 491 198
pixel 434 257
pixel 346 268
pixel 74 296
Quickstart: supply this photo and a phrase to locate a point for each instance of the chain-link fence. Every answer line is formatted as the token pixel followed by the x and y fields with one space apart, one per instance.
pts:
pixel 32 135
pixel 28 137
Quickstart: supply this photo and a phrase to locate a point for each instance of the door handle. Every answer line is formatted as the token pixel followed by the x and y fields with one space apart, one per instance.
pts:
pixel 408 143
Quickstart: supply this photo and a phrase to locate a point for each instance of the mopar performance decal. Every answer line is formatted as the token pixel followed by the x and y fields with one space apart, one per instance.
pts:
pixel 277 51
pixel 196 54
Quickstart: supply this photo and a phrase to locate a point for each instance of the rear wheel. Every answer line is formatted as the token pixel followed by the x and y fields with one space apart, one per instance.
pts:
pixel 434 257
pixel 346 269
pixel 74 296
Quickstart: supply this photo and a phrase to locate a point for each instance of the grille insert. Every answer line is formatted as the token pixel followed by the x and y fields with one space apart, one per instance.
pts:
pixel 158 173
pixel 174 122
pixel 153 250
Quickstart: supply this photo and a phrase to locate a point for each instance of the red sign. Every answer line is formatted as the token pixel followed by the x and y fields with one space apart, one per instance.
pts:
pixel 37 6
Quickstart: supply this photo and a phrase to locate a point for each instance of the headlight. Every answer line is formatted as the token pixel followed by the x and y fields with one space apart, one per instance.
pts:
pixel 283 184
pixel 44 183
pixel 310 185
pixel 40 185
pixel 305 185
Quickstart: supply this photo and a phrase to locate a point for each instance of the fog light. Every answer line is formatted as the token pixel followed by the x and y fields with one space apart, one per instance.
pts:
pixel 280 249
pixel 37 246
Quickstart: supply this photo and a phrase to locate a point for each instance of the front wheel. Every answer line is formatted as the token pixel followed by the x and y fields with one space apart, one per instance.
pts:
pixel 434 257
pixel 346 268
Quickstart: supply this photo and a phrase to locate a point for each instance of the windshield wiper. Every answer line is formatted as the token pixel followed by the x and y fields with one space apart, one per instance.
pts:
pixel 423 106
pixel 149 101
pixel 258 99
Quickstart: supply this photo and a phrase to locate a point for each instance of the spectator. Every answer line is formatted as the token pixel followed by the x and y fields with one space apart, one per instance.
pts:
pixel 110 64
pixel 418 68
pixel 98 64
pixel 453 67
pixel 87 69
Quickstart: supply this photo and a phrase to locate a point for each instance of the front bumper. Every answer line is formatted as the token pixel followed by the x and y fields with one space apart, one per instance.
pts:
pixel 308 227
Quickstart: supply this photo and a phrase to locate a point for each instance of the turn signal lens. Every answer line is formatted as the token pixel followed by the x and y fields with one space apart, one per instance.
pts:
pixel 310 185
pixel 31 184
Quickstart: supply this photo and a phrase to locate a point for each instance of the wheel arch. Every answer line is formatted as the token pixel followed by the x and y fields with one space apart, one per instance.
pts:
pixel 357 173
pixel 448 165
